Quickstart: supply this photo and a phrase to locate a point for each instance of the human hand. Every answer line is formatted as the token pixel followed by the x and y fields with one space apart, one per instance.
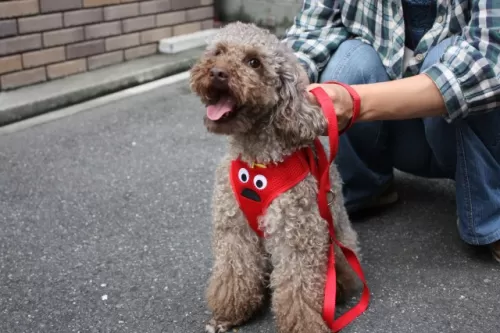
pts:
pixel 341 99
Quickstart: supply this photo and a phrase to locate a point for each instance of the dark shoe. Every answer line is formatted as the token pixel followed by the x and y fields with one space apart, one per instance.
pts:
pixel 494 247
pixel 388 197
pixel 495 250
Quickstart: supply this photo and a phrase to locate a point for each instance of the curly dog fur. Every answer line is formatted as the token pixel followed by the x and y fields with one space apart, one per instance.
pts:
pixel 270 118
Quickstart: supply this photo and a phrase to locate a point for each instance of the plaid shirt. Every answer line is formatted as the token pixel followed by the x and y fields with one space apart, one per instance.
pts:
pixel 468 74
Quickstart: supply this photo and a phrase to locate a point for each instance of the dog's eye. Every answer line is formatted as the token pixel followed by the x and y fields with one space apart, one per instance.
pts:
pixel 254 63
pixel 260 182
pixel 218 52
pixel 243 175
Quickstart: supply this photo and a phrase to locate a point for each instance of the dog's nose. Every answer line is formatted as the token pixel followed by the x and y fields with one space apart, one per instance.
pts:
pixel 219 74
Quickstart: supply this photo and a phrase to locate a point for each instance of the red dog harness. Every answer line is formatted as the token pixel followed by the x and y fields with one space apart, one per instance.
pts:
pixel 256 186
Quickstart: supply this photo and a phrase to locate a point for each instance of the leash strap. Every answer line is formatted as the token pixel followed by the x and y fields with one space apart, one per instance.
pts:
pixel 323 176
pixel 356 103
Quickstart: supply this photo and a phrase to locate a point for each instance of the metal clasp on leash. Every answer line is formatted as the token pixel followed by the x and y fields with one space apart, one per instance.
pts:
pixel 330 196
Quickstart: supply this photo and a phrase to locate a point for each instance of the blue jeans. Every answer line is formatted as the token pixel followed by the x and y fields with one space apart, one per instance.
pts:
pixel 467 150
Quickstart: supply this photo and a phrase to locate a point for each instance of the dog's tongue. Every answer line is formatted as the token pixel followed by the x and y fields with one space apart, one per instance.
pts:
pixel 223 106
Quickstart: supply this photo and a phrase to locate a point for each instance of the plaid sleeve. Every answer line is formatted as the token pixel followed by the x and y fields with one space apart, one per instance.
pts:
pixel 468 75
pixel 316 33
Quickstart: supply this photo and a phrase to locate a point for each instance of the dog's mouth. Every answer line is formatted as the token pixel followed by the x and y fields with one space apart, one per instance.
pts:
pixel 222 109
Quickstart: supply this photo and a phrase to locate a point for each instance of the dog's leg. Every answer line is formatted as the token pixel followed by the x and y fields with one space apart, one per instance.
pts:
pixel 236 286
pixel 298 242
pixel 347 280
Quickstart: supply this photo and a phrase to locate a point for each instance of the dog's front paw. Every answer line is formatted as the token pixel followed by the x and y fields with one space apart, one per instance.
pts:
pixel 233 299
pixel 298 314
pixel 215 326
pixel 303 325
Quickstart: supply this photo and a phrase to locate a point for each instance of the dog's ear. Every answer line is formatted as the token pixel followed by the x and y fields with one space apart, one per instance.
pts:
pixel 297 119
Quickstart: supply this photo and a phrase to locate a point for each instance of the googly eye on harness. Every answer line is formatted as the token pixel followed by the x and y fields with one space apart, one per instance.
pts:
pixel 255 186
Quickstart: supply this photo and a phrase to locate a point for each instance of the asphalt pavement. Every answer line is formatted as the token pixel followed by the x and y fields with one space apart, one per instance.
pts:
pixel 105 227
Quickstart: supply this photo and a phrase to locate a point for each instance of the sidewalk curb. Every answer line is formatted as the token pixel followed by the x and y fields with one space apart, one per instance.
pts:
pixel 19 105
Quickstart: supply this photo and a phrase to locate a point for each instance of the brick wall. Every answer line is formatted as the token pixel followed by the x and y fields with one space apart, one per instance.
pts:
pixel 42 40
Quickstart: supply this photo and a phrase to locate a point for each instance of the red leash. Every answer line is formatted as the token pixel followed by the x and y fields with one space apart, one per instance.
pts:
pixel 323 176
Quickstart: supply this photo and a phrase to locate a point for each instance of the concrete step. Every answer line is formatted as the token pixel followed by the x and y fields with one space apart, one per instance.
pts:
pixel 176 44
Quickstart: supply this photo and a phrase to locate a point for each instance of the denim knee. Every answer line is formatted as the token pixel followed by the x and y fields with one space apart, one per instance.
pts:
pixel 355 62
pixel 435 53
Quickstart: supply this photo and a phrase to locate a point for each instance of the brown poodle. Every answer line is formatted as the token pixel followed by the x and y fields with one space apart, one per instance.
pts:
pixel 255 92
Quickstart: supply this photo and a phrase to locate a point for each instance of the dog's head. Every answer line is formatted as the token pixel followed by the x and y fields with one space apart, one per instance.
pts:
pixel 248 78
